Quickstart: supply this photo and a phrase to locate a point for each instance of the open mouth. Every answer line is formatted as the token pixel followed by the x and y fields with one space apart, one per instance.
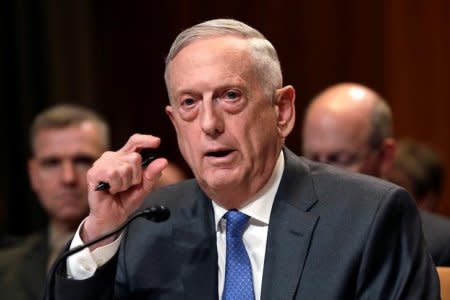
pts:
pixel 221 153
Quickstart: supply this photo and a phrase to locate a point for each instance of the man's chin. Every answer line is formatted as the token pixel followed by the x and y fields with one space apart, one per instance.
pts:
pixel 221 184
pixel 72 216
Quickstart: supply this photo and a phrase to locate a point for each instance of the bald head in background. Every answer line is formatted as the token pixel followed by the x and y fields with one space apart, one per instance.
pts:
pixel 350 126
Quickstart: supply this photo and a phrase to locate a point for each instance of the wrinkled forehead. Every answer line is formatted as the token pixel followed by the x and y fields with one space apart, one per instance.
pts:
pixel 226 54
pixel 227 45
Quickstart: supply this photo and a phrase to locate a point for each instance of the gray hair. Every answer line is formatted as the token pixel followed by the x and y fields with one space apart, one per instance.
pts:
pixel 381 119
pixel 266 63
pixel 65 115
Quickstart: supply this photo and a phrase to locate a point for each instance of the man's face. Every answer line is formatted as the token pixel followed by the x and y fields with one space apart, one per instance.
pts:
pixel 226 126
pixel 340 140
pixel 58 169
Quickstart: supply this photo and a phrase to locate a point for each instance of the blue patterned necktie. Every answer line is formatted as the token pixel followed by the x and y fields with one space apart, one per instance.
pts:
pixel 238 271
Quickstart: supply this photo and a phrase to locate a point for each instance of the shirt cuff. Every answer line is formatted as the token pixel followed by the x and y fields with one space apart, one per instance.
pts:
pixel 83 264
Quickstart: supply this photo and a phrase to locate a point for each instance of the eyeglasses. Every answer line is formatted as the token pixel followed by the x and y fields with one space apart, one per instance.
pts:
pixel 341 159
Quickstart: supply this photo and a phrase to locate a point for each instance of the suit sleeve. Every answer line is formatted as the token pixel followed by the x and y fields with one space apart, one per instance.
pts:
pixel 98 287
pixel 395 263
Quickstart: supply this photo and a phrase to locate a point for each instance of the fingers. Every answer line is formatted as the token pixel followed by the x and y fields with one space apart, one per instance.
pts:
pixel 140 141
pixel 153 173
pixel 128 184
pixel 119 170
pixel 122 169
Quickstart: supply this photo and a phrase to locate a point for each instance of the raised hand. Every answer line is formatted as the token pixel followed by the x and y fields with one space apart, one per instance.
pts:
pixel 128 183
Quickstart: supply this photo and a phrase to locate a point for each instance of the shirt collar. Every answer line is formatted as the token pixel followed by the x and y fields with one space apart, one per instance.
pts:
pixel 260 206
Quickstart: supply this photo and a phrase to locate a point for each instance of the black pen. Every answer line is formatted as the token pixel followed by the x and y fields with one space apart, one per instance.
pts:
pixel 148 155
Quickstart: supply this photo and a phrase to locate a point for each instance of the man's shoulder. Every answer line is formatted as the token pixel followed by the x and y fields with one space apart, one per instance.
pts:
pixel 325 177
pixel 440 220
pixel 23 249
pixel 436 230
pixel 436 225
pixel 7 240
pixel 339 178
pixel 326 189
pixel 176 196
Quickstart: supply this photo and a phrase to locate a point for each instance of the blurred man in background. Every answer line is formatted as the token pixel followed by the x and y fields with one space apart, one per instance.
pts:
pixel 65 140
pixel 6 240
pixel 420 170
pixel 350 126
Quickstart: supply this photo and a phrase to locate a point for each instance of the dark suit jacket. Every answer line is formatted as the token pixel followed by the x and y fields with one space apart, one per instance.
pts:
pixel 332 235
pixel 436 230
pixel 23 268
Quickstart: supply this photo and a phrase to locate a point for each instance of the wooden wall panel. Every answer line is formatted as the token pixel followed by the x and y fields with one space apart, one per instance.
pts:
pixel 399 48
pixel 110 55
pixel 418 75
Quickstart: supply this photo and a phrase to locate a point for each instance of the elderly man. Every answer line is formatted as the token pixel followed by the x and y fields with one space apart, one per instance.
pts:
pixel 65 140
pixel 419 169
pixel 350 126
pixel 257 222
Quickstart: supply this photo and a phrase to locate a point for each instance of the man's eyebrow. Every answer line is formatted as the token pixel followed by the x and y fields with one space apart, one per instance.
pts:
pixel 81 155
pixel 48 157
pixel 181 92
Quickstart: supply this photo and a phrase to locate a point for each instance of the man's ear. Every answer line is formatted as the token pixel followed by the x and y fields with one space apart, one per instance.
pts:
pixel 32 173
pixel 285 105
pixel 388 156
pixel 169 112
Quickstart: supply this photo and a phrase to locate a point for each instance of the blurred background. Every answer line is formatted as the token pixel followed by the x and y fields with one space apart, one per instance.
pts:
pixel 109 55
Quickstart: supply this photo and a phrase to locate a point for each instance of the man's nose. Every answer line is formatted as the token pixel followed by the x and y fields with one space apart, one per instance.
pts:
pixel 68 172
pixel 211 119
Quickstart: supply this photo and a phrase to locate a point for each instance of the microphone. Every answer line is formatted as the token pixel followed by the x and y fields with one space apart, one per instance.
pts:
pixel 157 214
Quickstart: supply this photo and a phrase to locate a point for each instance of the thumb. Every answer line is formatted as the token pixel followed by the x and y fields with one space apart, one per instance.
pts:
pixel 152 173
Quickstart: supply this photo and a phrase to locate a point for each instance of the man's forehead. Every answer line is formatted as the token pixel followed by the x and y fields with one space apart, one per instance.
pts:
pixel 328 146
pixel 207 61
pixel 335 139
pixel 73 138
pixel 215 42
pixel 205 50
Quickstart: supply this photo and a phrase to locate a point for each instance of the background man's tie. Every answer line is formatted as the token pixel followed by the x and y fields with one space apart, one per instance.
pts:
pixel 238 270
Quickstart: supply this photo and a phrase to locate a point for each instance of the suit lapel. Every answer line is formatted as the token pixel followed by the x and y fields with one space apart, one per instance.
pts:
pixel 290 232
pixel 196 240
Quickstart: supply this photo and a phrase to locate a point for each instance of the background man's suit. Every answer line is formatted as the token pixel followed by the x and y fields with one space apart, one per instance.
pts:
pixel 332 235
pixel 436 230
pixel 23 268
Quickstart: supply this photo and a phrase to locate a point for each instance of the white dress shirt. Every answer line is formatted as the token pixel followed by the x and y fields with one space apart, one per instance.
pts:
pixel 83 264
pixel 255 236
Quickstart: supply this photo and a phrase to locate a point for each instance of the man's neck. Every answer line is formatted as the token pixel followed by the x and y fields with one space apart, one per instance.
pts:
pixel 243 199
pixel 59 236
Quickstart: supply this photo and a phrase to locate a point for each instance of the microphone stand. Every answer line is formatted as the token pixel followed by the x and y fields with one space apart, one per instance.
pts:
pixel 155 213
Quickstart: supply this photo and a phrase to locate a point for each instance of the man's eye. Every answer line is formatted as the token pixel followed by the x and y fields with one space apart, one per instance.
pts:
pixel 231 95
pixel 50 162
pixel 334 159
pixel 349 160
pixel 86 161
pixel 187 102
